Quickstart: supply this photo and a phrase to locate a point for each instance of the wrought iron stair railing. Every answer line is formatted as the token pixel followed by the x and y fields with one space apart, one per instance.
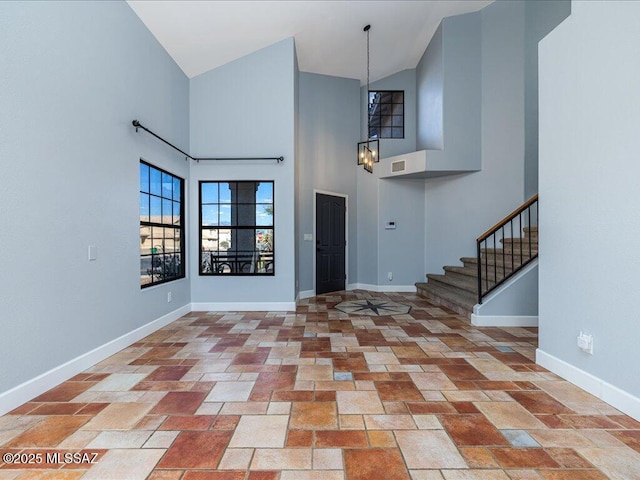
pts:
pixel 507 247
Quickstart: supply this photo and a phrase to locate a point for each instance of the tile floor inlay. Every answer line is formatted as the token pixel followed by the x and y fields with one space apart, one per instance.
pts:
pixel 375 308
pixel 350 386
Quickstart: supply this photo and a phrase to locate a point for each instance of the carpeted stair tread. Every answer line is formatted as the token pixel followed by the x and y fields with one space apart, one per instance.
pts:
pixel 472 272
pixel 459 301
pixel 466 284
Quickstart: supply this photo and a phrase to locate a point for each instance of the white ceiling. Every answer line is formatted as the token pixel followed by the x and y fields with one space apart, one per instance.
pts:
pixel 202 35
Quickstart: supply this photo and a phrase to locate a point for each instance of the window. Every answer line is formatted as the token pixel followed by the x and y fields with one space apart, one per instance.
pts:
pixel 236 228
pixel 161 226
pixel 386 114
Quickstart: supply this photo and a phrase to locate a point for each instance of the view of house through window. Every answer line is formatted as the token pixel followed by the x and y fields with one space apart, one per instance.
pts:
pixel 386 114
pixel 236 228
pixel 161 226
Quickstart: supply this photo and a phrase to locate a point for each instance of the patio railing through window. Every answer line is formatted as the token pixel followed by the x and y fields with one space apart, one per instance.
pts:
pixel 237 262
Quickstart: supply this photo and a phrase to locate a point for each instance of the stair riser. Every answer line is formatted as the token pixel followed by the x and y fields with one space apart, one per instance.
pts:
pixel 473 274
pixel 470 268
pixel 486 284
pixel 463 282
pixel 517 250
pixel 461 298
pixel 466 311
pixel 464 289
pixel 524 248
pixel 440 301
pixel 507 261
pixel 461 277
pixel 531 233
pixel 526 239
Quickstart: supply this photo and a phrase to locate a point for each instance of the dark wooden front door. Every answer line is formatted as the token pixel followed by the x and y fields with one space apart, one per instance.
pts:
pixel 330 243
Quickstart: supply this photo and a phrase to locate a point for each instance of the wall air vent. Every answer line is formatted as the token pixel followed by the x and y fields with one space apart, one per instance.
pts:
pixel 399 166
pixel 406 165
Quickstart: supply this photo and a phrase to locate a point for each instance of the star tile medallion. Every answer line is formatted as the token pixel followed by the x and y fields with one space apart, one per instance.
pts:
pixel 376 308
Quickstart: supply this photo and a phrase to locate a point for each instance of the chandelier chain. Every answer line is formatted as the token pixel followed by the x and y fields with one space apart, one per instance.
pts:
pixel 369 150
pixel 367 65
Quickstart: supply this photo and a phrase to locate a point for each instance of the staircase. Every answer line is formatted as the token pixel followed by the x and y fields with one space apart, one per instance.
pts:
pixel 500 256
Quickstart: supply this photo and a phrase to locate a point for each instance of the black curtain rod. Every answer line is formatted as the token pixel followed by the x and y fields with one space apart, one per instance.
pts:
pixel 138 125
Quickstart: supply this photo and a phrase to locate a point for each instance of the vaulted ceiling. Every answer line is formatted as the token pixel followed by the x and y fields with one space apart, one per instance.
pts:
pixel 202 35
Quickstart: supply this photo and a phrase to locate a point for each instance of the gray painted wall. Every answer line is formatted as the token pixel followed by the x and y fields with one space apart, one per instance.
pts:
pixel 449 75
pixel 541 17
pixel 296 167
pixel 329 132
pixel 399 251
pixel 73 76
pixel 589 184
pixel 462 91
pixel 459 208
pixel 367 186
pixel 429 80
pixel 518 297
pixel 246 108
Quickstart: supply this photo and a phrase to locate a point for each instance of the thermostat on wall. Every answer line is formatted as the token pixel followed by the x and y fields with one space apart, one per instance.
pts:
pixel 390 226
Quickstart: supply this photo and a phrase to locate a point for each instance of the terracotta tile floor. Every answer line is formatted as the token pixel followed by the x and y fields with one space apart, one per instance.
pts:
pixel 321 394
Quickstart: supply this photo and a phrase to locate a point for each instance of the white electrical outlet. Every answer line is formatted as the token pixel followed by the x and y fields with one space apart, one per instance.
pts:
pixel 390 276
pixel 585 343
pixel 168 297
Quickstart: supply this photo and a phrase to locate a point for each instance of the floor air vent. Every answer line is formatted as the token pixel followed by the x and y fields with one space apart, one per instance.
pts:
pixel 399 166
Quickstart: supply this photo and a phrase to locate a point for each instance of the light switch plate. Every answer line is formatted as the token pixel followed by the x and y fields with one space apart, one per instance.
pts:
pixel 92 252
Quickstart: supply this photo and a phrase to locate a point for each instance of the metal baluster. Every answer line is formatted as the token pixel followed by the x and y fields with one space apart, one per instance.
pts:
pixel 512 246
pixel 529 212
pixel 495 260
pixel 486 266
pixel 504 262
pixel 479 267
pixel 521 233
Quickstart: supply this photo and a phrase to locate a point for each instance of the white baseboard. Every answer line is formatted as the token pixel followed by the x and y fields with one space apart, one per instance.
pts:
pixel 611 394
pixel 382 288
pixel 503 321
pixel 306 294
pixel 243 307
pixel 24 392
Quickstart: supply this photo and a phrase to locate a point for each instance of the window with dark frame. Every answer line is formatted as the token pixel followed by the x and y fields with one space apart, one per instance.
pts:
pixel 236 228
pixel 162 252
pixel 386 114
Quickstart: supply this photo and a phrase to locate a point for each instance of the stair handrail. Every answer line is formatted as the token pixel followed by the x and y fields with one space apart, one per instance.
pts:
pixel 491 233
pixel 509 217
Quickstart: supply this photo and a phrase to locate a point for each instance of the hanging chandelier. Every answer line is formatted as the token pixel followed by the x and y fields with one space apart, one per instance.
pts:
pixel 369 150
